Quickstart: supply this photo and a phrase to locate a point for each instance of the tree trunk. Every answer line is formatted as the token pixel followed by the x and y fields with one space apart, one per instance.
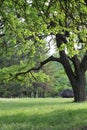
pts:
pixel 79 88
pixel 77 78
pixel 79 93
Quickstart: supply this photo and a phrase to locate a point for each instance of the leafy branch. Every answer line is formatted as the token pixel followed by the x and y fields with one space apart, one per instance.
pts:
pixel 35 69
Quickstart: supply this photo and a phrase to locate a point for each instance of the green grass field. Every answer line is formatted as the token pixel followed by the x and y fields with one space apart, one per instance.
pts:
pixel 42 114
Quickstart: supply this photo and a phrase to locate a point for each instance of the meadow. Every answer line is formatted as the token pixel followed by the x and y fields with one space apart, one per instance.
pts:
pixel 42 114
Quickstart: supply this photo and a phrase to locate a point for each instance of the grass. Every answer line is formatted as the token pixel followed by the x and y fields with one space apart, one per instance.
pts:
pixel 42 114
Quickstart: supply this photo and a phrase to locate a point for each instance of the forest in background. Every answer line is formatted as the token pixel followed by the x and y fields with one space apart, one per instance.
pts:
pixel 55 82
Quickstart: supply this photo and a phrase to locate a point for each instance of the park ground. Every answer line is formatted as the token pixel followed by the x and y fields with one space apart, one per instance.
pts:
pixel 42 114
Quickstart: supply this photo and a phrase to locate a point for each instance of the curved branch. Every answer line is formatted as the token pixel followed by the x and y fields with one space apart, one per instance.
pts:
pixel 51 58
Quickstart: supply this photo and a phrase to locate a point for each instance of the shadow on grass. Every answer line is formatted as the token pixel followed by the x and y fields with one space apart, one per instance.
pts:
pixel 55 120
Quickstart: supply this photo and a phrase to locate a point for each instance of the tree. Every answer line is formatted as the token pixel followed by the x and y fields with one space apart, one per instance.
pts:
pixel 25 25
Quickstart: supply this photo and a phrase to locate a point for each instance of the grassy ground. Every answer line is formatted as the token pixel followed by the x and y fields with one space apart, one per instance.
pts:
pixel 42 114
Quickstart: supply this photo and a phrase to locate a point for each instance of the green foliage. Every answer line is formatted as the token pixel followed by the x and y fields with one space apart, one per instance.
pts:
pixel 58 80
pixel 23 20
pixel 25 25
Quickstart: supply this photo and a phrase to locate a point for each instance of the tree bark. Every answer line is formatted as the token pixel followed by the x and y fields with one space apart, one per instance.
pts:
pixel 76 77
pixel 78 84
pixel 79 88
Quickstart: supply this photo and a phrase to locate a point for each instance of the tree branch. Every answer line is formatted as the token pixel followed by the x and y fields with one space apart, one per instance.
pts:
pixel 51 58
pixel 76 63
pixel 83 64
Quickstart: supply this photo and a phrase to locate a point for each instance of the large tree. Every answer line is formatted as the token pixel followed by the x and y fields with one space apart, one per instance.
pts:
pixel 25 24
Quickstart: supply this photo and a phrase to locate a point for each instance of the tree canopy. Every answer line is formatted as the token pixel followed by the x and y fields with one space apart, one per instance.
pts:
pixel 26 24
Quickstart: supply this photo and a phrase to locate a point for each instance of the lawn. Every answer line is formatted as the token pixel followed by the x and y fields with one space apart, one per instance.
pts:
pixel 42 114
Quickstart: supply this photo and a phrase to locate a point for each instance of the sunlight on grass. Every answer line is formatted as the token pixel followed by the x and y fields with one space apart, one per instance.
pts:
pixel 41 114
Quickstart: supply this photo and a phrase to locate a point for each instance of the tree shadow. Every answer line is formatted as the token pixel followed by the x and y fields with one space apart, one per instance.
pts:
pixel 55 120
